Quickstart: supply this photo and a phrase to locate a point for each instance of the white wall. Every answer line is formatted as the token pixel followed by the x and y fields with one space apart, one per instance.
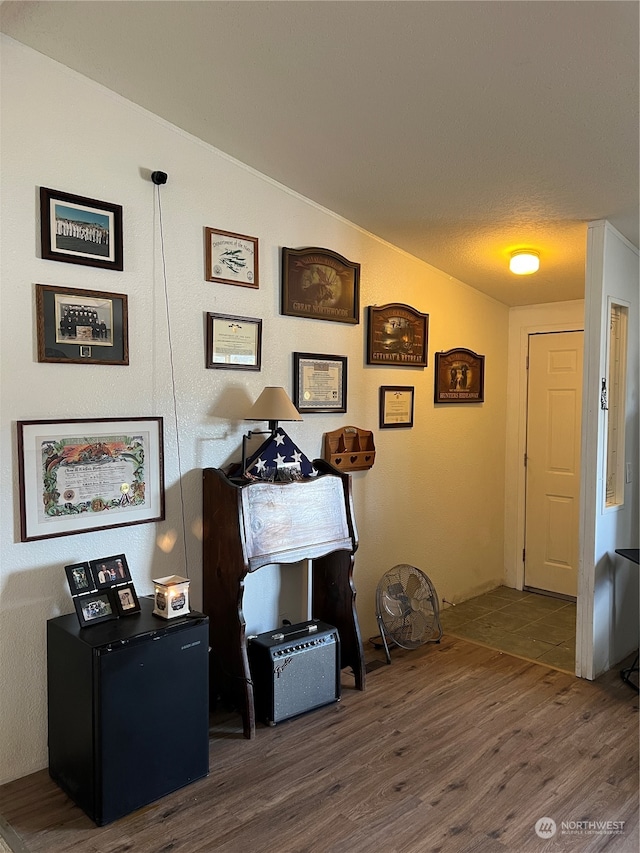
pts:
pixel 525 321
pixel 607 625
pixel 435 496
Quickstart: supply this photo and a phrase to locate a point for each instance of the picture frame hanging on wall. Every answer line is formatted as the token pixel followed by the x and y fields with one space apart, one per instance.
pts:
pixel 321 285
pixel 79 230
pixel 459 376
pixel 78 326
pixel 231 258
pixel 78 476
pixel 397 335
pixel 319 382
pixel 234 342
pixel 396 406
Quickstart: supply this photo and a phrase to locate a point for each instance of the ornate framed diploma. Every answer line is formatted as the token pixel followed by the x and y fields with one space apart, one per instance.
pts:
pixel 234 342
pixel 319 382
pixel 396 406
pixel 77 476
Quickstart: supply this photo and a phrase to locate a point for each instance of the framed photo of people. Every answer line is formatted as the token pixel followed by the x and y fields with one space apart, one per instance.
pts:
pixel 459 376
pixel 126 599
pixel 108 571
pixel 79 230
pixel 78 326
pixel 82 475
pixel 95 608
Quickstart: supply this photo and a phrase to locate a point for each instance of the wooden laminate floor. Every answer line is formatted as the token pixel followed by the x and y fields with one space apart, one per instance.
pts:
pixel 453 748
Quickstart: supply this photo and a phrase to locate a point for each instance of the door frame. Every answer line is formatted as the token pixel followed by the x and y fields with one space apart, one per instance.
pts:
pixel 517 439
pixel 526 432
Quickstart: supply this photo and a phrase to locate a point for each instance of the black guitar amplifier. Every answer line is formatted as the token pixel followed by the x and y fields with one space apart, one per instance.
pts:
pixel 294 669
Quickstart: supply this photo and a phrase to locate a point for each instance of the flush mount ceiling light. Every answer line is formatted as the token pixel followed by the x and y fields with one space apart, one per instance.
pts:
pixel 524 262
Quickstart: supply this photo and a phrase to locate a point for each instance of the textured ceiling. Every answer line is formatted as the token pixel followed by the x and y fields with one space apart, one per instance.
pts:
pixel 455 130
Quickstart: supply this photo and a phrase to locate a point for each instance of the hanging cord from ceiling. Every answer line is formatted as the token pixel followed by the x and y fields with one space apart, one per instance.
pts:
pixel 158 179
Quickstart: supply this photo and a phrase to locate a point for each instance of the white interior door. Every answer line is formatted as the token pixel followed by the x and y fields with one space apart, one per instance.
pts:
pixel 554 407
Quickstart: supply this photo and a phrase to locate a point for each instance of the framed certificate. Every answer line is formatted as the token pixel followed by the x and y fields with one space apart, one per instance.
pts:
pixel 234 342
pixel 77 476
pixel 319 382
pixel 396 406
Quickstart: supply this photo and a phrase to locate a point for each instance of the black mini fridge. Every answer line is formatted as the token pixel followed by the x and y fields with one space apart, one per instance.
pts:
pixel 128 707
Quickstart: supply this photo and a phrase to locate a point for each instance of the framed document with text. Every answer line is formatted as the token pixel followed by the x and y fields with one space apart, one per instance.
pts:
pixel 82 475
pixel 396 406
pixel 234 342
pixel 319 382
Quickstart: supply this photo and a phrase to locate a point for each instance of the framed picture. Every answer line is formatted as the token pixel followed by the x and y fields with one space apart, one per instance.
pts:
pixel 80 578
pixel 126 599
pixel 397 335
pixel 234 342
pixel 80 230
pixel 108 571
pixel 396 406
pixel 95 607
pixel 231 258
pixel 459 377
pixel 77 476
pixel 319 382
pixel 77 326
pixel 321 285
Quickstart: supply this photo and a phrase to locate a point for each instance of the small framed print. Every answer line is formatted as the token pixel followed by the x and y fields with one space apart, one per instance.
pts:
pixel 396 406
pixel 459 376
pixel 95 607
pixel 231 258
pixel 80 578
pixel 319 382
pixel 126 599
pixel 108 571
pixel 234 342
pixel 77 326
pixel 79 230
pixel 397 335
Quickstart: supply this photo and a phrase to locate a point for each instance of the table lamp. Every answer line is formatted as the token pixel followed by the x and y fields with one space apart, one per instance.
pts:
pixel 273 405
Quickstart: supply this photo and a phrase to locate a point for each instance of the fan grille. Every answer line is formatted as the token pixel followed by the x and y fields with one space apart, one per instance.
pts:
pixel 407 607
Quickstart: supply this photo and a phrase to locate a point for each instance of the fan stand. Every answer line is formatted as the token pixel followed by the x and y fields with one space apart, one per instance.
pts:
pixel 385 645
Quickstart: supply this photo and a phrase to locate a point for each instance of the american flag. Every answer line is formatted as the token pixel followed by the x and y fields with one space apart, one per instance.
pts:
pixel 278 452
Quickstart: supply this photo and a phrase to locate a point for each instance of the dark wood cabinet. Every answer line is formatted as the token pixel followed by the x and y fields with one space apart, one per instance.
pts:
pixel 250 525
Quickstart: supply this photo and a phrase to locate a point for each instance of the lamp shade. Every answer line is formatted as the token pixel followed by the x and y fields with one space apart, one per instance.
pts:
pixel 524 262
pixel 273 404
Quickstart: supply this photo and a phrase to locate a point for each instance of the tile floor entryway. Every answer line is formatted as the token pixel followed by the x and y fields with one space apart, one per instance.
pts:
pixel 525 624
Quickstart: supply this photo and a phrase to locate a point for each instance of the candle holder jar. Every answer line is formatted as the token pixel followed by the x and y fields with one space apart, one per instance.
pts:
pixel 171 596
